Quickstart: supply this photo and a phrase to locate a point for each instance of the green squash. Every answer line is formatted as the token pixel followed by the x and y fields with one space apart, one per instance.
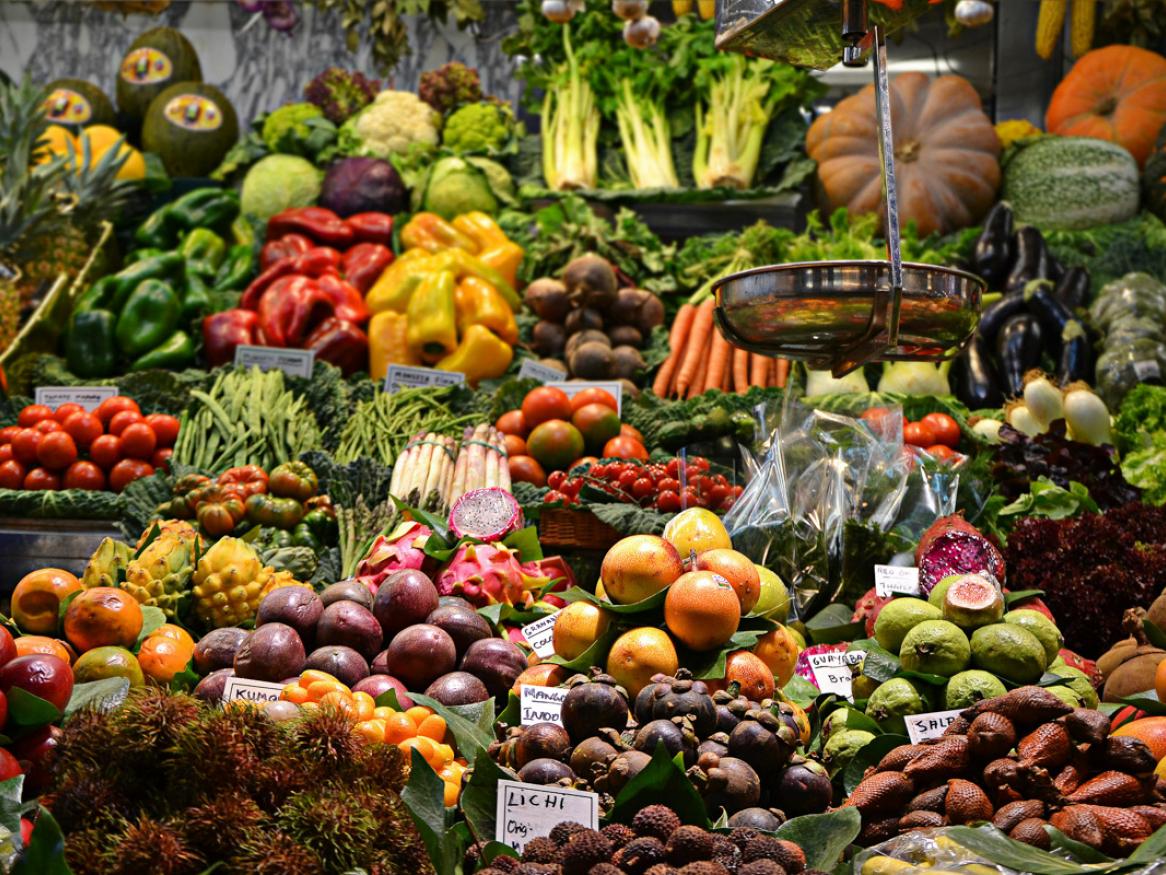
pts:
pixel 190 126
pixel 155 60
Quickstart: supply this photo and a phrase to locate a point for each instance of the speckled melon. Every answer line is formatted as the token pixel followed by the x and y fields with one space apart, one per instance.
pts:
pixel 77 103
pixel 190 126
pixel 155 60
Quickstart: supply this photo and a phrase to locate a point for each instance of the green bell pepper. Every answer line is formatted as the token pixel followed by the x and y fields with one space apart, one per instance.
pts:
pixel 322 525
pixel 196 301
pixel 303 536
pixel 97 296
pixel 174 354
pixel 204 251
pixel 89 344
pixel 212 208
pixel 149 316
pixel 159 231
pixel 243 232
pixel 168 267
pixel 236 270
pixel 142 254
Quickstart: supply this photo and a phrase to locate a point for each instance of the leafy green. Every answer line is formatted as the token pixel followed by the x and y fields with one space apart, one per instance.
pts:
pixel 1142 412
pixel 660 782
pixel 61 504
pixel 1146 469
pixel 1045 498
pixel 1109 252
pixel 824 837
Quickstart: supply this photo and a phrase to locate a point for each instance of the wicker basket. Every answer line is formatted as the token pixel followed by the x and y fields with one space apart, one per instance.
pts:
pixel 578 529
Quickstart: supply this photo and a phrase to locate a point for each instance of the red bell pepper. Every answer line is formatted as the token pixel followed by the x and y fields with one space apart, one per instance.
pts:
pixel 372 228
pixel 222 332
pixel 317 223
pixel 288 244
pixel 364 263
pixel 290 309
pixel 347 301
pixel 317 261
pixel 314 262
pixel 259 285
pixel 340 343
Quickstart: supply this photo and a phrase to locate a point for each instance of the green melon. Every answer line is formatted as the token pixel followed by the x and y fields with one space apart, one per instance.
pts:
pixel 76 103
pixel 154 61
pixel 191 126
pixel 1058 183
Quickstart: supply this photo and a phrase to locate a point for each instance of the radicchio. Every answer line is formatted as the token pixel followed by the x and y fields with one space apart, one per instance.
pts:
pixel 403 547
pixel 952 545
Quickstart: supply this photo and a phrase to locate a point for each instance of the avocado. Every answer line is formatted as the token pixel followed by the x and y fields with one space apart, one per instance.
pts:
pixel 191 126
pixel 77 103
pixel 155 60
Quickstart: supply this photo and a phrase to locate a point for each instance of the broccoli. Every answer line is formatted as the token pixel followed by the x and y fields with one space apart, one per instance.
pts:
pixel 450 86
pixel 298 129
pixel 479 127
pixel 341 94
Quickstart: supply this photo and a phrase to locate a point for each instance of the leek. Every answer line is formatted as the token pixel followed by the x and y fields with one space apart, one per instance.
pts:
pixel 570 127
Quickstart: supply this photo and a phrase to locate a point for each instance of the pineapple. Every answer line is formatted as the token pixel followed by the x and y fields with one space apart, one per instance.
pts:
pixel 160 575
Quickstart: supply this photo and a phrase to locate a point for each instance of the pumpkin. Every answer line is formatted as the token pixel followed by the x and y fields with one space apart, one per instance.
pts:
pixel 946 153
pixel 1117 93
pixel 1154 182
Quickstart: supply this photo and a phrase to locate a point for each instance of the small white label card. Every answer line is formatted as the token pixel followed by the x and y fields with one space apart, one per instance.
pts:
pixel 540 635
pixel 293 362
pixel 242 689
pixel 832 671
pixel 408 377
pixel 542 704
pixel 87 396
pixel 921 727
pixel 612 387
pixel 530 811
pixel 536 371
pixel 891 580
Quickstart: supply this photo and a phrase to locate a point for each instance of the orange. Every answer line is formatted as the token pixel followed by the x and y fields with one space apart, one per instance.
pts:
pixel 162 658
pixel 1160 681
pixel 638 654
pixel 751 674
pixel 702 610
pixel 27 645
pixel 1151 730
pixel 103 616
pixel 174 633
pixel 738 569
pixel 36 601
pixel 578 626
pixel 779 652
pixel 543 674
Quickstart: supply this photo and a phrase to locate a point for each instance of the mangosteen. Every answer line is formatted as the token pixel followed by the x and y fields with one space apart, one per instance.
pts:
pixel 763 742
pixel 764 819
pixel 458 688
pixel 622 769
pixel 726 719
pixel 463 625
pixel 347 591
pixel 545 771
pixel 590 754
pixel 496 661
pixel 541 741
pixel 671 735
pixel 684 697
pixel 643 704
pixel 804 787
pixel 727 782
pixel 593 705
pixel 716 744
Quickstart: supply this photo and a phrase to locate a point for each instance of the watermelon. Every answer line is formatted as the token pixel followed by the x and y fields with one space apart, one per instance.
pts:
pixel 1058 183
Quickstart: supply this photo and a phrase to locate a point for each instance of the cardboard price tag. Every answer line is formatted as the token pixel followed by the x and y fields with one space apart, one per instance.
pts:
pixel 406 377
pixel 529 811
pixel 921 727
pixel 88 397
pixel 543 373
pixel 542 704
pixel 893 580
pixel 832 671
pixel 613 387
pixel 540 635
pixel 242 689
pixel 293 362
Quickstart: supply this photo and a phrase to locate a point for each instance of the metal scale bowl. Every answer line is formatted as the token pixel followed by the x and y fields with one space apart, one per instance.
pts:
pixel 839 315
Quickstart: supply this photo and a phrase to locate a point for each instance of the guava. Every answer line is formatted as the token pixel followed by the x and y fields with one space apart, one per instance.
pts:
pixel 1078 683
pixel 898 617
pixel 1009 651
pixel 939 592
pixel 936 647
pixel 972 601
pixel 891 702
pixel 862 686
pixel 1042 627
pixel 969 687
pixel 842 748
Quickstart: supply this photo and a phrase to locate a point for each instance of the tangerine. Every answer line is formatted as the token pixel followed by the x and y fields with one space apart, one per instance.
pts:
pixel 103 616
pixel 162 658
pixel 174 633
pixel 638 654
pixel 578 626
pixel 36 601
pixel 738 569
pixel 779 651
pixel 751 674
pixel 702 610
pixel 1151 730
pixel 29 644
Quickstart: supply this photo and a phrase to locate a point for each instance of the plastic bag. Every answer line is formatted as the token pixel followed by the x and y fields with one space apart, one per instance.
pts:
pixel 1136 294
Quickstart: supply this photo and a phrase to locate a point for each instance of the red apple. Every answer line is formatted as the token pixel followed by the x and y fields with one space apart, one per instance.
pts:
pixel 40 674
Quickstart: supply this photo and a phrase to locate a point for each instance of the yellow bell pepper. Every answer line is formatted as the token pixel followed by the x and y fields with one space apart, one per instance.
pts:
pixel 478 303
pixel 464 264
pixel 504 258
pixel 430 232
pixel 387 343
pixel 397 282
pixel 432 315
pixel 482 355
pixel 480 228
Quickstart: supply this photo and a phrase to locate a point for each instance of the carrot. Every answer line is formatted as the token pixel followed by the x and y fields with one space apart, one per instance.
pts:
pixel 696 349
pixel 782 373
pixel 663 379
pixel 702 371
pixel 718 362
pixel 740 370
pixel 681 325
pixel 757 365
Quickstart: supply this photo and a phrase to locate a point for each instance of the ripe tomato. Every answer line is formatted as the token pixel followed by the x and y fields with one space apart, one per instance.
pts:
pixel 668 501
pixel 39 478
pixel 918 434
pixel 107 408
pixel 8 433
pixel 544 404
pixel 622 447
pixel 511 422
pixel 24 445
pixel 5 452
pixel 643 487
pixel 12 475
pixel 57 451
pixel 66 410
pixel 165 428
pixel 32 414
pixel 121 420
pixel 127 471
pixel 947 430
pixel 556 479
pixel 940 452
pixel 84 427
pixel 594 395
pixel 524 469
pixel 48 426
pixel 137 439
pixel 105 451
pixel 84 475
pixel 161 458
pixel 630 431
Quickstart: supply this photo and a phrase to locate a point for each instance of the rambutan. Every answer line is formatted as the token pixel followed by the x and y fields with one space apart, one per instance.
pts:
pixel 85 850
pixel 219 827
pixel 276 853
pixel 220 750
pixel 154 846
pixel 326 740
pixel 86 800
pixel 381 766
pixel 333 823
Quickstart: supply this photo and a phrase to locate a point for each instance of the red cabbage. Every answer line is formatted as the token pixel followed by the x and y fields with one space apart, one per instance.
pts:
pixel 362 185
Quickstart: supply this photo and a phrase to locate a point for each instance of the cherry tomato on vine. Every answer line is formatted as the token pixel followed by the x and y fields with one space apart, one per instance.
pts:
pixel 556 479
pixel 946 429
pixel 669 501
pixel 918 434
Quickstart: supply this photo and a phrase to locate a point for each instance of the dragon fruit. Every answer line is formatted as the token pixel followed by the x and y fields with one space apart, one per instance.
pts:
pixel 867 609
pixel 803 667
pixel 952 545
pixel 403 547
pixel 485 515
pixel 485 574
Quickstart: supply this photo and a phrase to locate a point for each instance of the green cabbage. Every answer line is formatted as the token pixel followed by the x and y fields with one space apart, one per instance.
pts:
pixel 277 183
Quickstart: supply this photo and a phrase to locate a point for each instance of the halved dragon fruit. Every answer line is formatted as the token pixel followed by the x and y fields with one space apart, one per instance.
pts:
pixel 488 515
pixel 952 545
pixel 403 547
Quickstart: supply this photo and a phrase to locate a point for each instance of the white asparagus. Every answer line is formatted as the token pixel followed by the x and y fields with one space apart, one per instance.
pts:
pixel 491 461
pixel 448 474
pixel 401 468
pixel 431 475
pixel 457 485
pixel 417 472
pixel 504 473
pixel 476 470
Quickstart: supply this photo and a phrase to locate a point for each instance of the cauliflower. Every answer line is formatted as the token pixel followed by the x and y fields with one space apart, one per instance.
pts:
pixel 478 127
pixel 390 125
